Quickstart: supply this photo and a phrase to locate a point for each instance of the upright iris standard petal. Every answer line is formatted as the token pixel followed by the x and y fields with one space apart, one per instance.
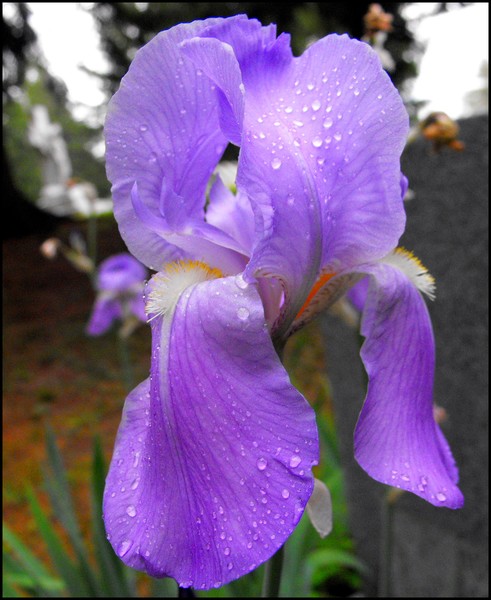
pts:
pixel 162 123
pixel 212 466
pixel 397 440
pixel 320 157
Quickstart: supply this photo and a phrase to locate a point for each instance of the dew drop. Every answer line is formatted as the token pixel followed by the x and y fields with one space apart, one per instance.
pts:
pixel 317 142
pixel 243 313
pixel 327 123
pixel 143 127
pixel 124 547
pixel 131 511
pixel 261 463
pixel 295 461
pixel 276 163
pixel 285 493
pixel 227 551
pixel 441 497
pixel 241 283
pixel 316 105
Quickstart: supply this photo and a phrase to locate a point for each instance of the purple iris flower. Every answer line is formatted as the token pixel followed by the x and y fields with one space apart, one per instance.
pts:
pixel 212 464
pixel 120 284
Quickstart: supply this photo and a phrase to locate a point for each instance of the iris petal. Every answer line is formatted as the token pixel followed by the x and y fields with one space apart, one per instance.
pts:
pixel 212 465
pixel 104 312
pixel 397 440
pixel 320 157
pixel 163 120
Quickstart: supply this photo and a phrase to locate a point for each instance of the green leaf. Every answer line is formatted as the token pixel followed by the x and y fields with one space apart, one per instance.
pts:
pixel 325 562
pixel 32 566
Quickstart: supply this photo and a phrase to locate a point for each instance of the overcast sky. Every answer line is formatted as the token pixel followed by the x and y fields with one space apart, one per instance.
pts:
pixel 457 47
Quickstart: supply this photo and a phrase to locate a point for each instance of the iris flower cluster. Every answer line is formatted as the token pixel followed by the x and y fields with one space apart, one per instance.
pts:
pixel 212 467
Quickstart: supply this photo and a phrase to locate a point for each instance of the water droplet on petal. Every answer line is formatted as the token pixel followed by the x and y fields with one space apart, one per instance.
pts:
pixel 261 463
pixel 276 163
pixel 316 105
pixel 295 461
pixel 143 127
pixel 124 547
pixel 327 123
pixel 285 493
pixel 131 511
pixel 242 313
pixel 317 142
pixel 441 497
pixel 241 283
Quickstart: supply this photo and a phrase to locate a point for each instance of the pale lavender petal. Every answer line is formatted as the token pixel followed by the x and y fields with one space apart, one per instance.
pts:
pixel 218 61
pixel 191 238
pixel 232 213
pixel 104 312
pixel 397 440
pixel 164 120
pixel 212 466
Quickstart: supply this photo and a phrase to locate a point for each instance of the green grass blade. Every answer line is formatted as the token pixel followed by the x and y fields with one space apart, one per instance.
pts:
pixel 59 491
pixel 28 564
pixel 65 567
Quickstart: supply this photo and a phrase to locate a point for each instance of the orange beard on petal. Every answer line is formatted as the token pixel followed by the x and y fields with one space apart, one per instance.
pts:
pixel 323 279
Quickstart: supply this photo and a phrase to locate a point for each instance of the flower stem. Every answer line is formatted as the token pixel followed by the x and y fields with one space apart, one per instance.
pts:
pixel 272 575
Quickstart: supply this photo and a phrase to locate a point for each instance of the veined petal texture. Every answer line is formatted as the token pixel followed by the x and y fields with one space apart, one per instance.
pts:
pixel 212 465
pixel 320 159
pixel 162 132
pixel 397 440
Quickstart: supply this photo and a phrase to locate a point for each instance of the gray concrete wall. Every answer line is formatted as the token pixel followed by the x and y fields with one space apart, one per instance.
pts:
pixel 436 552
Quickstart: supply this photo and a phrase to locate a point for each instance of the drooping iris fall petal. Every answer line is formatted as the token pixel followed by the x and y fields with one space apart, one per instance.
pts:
pixel 397 440
pixel 212 465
